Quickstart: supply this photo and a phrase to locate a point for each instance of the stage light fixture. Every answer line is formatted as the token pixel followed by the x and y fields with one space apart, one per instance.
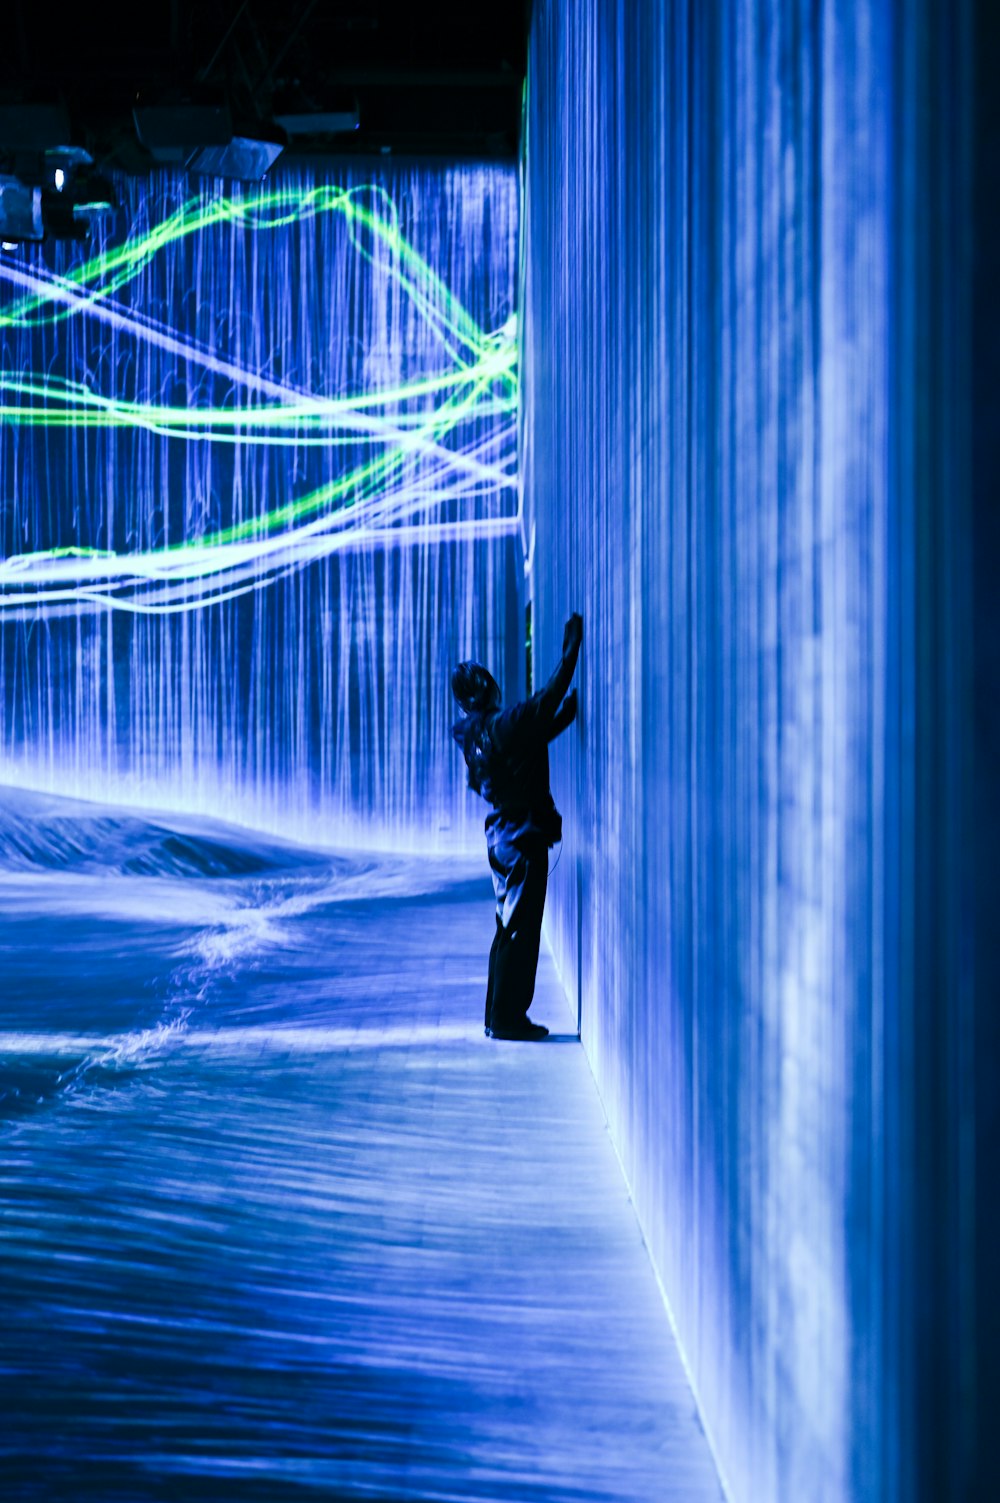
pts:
pixel 200 137
pixel 67 160
pixel 20 212
pixel 69 211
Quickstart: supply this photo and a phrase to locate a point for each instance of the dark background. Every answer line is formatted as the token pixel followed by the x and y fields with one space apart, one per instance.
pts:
pixel 443 79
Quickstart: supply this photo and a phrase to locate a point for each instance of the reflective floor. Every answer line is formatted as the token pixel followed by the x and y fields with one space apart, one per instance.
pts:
pixel 275 1218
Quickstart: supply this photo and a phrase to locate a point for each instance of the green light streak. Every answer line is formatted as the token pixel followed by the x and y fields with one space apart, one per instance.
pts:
pixel 413 423
pixel 266 422
pixel 264 210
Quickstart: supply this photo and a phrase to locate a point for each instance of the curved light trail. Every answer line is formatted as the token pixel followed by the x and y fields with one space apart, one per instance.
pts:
pixel 433 456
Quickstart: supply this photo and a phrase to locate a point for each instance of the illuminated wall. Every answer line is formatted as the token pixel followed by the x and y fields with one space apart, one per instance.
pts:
pixel 746 439
pixel 258 484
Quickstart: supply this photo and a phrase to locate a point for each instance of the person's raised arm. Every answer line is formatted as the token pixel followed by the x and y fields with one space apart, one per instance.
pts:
pixel 564 716
pixel 550 698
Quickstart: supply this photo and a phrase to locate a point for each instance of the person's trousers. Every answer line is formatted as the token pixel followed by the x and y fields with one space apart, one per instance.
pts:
pixel 520 877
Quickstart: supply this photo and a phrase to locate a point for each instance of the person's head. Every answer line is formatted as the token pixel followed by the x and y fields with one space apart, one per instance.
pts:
pixel 475 688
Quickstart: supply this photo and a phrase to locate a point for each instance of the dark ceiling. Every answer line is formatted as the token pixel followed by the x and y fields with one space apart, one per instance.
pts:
pixel 427 80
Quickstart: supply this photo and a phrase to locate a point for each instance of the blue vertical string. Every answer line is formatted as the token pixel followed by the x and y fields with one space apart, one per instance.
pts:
pixel 318 704
pixel 764 807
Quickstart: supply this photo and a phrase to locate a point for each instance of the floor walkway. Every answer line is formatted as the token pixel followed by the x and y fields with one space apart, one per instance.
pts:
pixel 323 1238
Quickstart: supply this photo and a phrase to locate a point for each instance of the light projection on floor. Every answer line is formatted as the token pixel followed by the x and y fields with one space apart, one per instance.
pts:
pixel 261 1234
pixel 308 393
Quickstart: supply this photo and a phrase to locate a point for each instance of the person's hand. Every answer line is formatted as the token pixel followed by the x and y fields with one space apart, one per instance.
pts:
pixel 573 632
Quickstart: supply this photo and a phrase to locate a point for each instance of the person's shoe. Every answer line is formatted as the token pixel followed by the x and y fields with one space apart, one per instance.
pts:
pixel 523 1030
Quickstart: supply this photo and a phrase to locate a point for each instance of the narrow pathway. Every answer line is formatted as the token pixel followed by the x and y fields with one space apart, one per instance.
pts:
pixel 328 1240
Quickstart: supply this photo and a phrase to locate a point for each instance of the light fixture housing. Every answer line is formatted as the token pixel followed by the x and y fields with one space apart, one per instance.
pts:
pixel 320 122
pixel 245 158
pixel 336 113
pixel 20 211
pixel 171 133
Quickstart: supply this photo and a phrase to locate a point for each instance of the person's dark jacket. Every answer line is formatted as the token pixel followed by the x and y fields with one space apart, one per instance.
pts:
pixel 507 753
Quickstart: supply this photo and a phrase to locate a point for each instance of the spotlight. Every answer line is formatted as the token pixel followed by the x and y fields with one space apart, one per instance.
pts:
pixel 67 160
pixel 70 212
pixel 20 212
pixel 200 137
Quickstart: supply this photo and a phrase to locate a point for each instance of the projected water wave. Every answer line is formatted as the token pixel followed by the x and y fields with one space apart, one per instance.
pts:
pixel 242 386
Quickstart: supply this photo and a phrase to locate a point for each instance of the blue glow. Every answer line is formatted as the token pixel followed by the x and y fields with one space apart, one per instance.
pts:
pixel 748 413
pixel 257 1229
pixel 316 486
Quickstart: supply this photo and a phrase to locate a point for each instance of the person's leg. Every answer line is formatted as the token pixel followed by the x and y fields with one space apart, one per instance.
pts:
pixel 488 1016
pixel 502 859
pixel 529 928
pixel 516 961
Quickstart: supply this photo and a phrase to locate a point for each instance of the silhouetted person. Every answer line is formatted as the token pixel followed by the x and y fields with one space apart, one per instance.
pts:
pixel 507 754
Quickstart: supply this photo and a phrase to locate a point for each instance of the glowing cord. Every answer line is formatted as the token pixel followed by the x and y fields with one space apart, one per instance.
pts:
pixel 421 459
